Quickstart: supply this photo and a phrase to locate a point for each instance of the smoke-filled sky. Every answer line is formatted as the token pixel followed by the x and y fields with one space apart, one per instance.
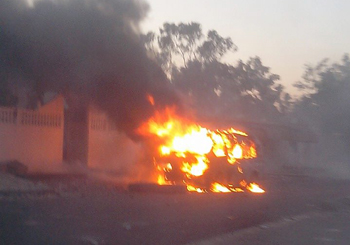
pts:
pixel 285 34
pixel 92 47
pixel 84 49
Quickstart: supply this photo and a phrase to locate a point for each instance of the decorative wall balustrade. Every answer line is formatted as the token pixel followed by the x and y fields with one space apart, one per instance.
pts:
pixel 30 118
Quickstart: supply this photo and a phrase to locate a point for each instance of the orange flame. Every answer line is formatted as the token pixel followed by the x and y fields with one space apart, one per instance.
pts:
pixel 253 187
pixel 192 144
pixel 195 169
pixel 150 99
pixel 216 187
pixel 194 189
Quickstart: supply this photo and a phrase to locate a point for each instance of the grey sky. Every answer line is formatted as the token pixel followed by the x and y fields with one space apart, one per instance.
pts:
pixel 285 34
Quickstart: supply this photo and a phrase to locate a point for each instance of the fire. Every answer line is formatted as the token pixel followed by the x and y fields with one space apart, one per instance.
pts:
pixel 161 180
pixel 255 188
pixel 150 99
pixel 237 152
pixel 195 169
pixel 252 187
pixel 216 187
pixel 196 141
pixel 194 189
pixel 196 156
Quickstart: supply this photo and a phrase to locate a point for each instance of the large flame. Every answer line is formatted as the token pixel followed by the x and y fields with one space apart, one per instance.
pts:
pixel 193 146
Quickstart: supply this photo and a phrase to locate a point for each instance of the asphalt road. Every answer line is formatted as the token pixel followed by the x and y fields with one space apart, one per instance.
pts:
pixel 90 213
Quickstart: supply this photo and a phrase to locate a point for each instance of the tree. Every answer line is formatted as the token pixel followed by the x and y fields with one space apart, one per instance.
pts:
pixel 325 104
pixel 245 91
pixel 215 47
pixel 213 88
pixel 185 42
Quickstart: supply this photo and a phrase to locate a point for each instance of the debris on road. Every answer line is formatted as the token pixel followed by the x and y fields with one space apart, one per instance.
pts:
pixel 13 167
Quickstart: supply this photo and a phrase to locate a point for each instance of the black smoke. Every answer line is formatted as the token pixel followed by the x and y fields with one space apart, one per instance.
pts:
pixel 88 49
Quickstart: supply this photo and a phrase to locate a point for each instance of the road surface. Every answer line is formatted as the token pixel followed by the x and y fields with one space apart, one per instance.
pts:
pixel 85 212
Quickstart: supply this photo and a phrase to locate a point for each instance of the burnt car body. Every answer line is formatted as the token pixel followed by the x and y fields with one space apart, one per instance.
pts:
pixel 221 168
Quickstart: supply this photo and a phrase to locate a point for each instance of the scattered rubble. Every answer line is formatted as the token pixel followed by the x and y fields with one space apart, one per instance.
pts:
pixel 13 167
pixel 15 187
pixel 11 183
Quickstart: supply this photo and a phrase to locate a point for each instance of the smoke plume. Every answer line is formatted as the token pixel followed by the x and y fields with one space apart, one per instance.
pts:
pixel 85 48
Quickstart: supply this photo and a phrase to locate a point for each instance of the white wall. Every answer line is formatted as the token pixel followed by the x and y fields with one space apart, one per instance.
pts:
pixel 33 137
pixel 108 149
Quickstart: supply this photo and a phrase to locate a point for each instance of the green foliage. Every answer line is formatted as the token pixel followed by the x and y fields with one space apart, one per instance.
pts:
pixel 215 47
pixel 246 91
pixel 212 88
pixel 185 42
pixel 325 104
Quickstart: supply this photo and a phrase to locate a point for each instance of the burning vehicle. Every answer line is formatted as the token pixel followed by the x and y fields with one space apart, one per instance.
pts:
pixel 202 159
